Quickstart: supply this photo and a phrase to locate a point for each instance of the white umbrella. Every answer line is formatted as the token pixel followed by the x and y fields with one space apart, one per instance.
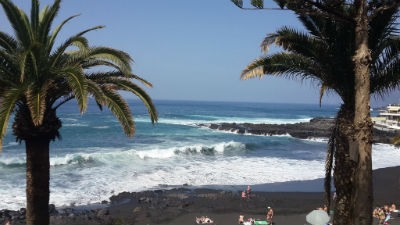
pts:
pixel 318 217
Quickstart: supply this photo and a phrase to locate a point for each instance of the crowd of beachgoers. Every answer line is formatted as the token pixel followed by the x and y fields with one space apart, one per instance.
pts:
pixel 384 214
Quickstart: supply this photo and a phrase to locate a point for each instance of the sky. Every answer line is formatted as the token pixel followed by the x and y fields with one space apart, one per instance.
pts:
pixel 191 49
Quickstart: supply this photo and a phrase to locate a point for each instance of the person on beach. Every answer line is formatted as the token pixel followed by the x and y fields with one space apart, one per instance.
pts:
pixel 270 215
pixel 393 208
pixel 381 215
pixel 248 191
pixel 375 213
pixel 241 219
pixel 243 195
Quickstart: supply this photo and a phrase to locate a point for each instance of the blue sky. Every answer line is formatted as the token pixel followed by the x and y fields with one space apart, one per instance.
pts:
pixel 190 50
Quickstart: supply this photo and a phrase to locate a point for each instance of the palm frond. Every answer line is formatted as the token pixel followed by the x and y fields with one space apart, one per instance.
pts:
pixel 36 101
pixel 8 102
pixel 46 19
pixel 18 20
pixel 77 83
pixel 62 100
pixel 258 3
pixel 55 32
pixel 322 90
pixel 96 91
pixel 93 62
pixel 143 81
pixel 238 3
pixel 34 65
pixel 268 41
pixel 99 76
pixel 7 42
pixel 381 28
pixel 120 58
pixel 8 67
pixel 127 85
pixel 80 42
pixel 35 15
pixel 286 65
pixel 90 29
pixel 296 42
pixel 22 60
pixel 385 74
pixel 311 24
pixel 120 108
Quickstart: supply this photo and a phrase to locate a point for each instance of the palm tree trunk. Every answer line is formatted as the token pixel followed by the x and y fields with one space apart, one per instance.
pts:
pixel 360 150
pixel 37 181
pixel 344 167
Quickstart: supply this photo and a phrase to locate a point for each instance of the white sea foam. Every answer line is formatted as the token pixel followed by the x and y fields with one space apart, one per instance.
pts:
pixel 319 140
pixel 160 153
pixel 75 125
pixel 69 119
pixel 129 170
pixel 101 127
pixel 10 144
pixel 12 161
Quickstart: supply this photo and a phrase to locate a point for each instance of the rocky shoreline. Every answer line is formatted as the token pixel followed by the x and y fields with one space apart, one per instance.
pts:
pixel 180 206
pixel 163 206
pixel 316 128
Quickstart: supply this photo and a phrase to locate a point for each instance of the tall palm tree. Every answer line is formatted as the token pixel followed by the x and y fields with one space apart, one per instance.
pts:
pixel 37 77
pixel 324 54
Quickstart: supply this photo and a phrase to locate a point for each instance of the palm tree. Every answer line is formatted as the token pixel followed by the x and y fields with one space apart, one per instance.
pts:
pixel 325 54
pixel 36 78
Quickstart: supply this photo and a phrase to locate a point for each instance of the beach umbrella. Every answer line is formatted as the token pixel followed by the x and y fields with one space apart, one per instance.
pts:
pixel 318 217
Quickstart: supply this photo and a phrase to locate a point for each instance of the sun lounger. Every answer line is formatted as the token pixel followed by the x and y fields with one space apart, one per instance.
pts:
pixel 260 222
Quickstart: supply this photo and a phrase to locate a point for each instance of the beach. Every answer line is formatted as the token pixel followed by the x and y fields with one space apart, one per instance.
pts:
pixel 180 206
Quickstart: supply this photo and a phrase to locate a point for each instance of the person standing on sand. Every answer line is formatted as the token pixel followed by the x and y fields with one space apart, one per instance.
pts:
pixel 270 214
pixel 248 192
pixel 243 195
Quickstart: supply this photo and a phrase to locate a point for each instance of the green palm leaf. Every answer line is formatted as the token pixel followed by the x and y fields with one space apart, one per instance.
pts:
pixel 19 22
pixel 36 101
pixel 127 85
pixel 35 15
pixel 7 42
pixel 8 103
pixel 77 83
pixel 258 3
pixel 55 32
pixel 120 109
pixel 238 3
pixel 283 64
pixel 46 19
pixel 119 58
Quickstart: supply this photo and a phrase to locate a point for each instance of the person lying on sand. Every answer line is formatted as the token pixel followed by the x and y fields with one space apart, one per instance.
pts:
pixel 203 219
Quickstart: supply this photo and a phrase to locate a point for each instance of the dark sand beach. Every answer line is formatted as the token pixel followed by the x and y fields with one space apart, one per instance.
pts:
pixel 180 206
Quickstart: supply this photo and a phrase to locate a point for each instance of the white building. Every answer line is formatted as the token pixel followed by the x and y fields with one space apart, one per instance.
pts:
pixel 388 119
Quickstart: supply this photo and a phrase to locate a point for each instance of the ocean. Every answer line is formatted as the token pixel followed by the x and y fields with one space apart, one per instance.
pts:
pixel 95 160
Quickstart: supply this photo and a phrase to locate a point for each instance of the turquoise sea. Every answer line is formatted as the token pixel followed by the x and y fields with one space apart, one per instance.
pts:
pixel 95 160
